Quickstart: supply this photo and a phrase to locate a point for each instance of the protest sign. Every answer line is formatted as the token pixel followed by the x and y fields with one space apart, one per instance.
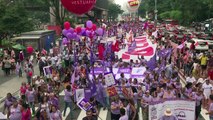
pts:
pixel 109 79
pixel 79 94
pixel 84 104
pixel 112 91
pixel 48 71
pixel 183 109
pixel 134 72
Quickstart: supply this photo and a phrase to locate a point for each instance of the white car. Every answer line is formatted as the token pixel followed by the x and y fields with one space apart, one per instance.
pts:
pixel 200 45
pixel 210 43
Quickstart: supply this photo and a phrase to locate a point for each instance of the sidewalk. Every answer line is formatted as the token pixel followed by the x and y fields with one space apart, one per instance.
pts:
pixel 14 84
pixel 203 111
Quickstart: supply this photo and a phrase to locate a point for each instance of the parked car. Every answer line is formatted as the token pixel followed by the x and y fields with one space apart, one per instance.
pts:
pixel 210 43
pixel 200 45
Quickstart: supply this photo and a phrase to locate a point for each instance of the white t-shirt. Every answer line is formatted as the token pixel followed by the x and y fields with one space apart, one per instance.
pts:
pixel 195 65
pixel 190 79
pixel 39 82
pixel 207 88
pixel 125 117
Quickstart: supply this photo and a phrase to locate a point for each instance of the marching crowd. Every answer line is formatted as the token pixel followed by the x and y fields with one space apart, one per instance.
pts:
pixel 161 83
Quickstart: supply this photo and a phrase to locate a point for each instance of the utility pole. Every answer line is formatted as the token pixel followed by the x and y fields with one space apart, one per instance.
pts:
pixel 156 13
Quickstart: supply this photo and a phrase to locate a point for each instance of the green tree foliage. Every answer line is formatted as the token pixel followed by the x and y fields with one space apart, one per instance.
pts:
pixel 40 9
pixel 114 10
pixel 174 14
pixel 185 11
pixel 13 20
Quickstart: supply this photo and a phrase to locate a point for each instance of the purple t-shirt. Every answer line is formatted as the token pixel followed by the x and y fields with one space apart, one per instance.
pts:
pixel 178 86
pixel 115 111
pixel 55 116
pixel 54 101
pixel 146 100
pixel 169 118
pixel 30 95
pixel 15 113
pixel 198 99
pixel 9 102
pixel 160 94
pixel 67 96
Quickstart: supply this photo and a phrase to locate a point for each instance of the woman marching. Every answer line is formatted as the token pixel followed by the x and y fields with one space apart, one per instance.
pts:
pixel 115 108
pixel 146 99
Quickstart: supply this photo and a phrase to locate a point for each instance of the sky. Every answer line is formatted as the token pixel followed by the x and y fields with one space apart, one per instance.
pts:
pixel 121 3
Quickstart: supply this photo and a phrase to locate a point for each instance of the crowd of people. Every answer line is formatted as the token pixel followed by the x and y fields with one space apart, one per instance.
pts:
pixel 161 83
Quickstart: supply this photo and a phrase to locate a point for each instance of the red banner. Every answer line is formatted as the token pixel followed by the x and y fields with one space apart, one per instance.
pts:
pixel 112 91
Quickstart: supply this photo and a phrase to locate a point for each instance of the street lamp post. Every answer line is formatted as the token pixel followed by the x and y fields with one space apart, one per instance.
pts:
pixel 156 13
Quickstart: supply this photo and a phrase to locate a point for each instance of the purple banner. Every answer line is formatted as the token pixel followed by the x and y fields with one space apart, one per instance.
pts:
pixel 98 70
pixel 84 104
pixel 137 76
pixel 88 94
pixel 124 70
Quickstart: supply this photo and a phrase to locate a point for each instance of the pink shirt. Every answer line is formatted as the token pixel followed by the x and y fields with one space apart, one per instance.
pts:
pixel 23 89
pixel 26 115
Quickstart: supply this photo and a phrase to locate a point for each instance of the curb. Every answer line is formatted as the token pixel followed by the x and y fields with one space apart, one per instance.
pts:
pixel 13 94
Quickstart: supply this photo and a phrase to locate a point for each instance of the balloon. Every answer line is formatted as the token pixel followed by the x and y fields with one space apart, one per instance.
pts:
pixel 74 35
pixel 69 35
pixel 89 24
pixel 30 49
pixel 67 25
pixel 95 37
pixel 133 5
pixel 64 41
pixel 77 38
pixel 78 7
pixel 88 33
pixel 94 27
pixel 100 31
pixel 78 29
pixel 84 33
pixel 83 30
pixel 71 30
pixel 64 32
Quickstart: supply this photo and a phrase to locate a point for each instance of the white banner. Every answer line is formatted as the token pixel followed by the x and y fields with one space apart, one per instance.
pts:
pixel 109 79
pixel 79 94
pixel 182 109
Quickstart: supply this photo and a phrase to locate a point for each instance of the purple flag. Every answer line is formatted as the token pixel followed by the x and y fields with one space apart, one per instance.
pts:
pixel 99 95
pixel 132 46
pixel 73 77
pixel 152 63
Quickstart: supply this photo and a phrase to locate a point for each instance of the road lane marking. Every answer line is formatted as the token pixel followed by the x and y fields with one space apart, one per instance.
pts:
pixel 103 114
pixel 81 115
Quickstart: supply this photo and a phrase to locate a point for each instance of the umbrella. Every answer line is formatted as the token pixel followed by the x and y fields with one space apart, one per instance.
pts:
pixel 18 47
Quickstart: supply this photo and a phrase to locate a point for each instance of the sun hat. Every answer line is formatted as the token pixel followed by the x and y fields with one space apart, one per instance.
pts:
pixel 168 112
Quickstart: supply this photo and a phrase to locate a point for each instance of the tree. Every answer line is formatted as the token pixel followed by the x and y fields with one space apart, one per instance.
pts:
pixel 114 10
pixel 185 11
pixel 46 7
pixel 13 20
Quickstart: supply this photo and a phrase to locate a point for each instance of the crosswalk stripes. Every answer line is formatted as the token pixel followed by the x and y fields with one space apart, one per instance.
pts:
pixel 66 115
pixel 203 113
pixel 140 114
pixel 81 115
pixel 102 114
